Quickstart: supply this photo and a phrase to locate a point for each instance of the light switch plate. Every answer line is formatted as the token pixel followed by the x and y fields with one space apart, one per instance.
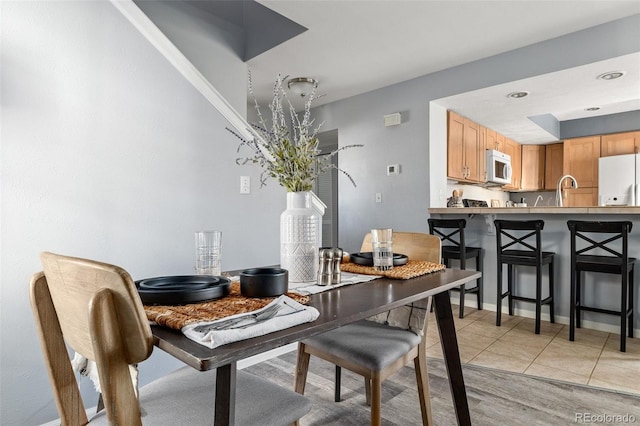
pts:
pixel 393 169
pixel 245 184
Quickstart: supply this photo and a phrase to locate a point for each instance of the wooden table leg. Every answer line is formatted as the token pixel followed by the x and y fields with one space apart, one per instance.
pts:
pixel 225 395
pixel 446 327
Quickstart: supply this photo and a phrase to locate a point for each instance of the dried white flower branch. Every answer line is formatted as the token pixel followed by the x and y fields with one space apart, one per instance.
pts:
pixel 288 154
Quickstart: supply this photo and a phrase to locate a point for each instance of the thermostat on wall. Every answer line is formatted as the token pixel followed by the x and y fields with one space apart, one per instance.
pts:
pixel 393 169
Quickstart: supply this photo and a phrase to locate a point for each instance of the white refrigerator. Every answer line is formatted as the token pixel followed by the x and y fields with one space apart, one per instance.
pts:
pixel 618 177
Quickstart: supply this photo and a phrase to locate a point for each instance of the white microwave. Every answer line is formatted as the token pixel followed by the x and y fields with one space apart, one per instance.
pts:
pixel 498 167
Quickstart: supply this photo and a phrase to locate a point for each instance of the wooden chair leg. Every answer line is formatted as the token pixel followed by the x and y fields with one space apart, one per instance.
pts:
pixel 367 390
pixel 422 381
pixel 376 401
pixel 302 367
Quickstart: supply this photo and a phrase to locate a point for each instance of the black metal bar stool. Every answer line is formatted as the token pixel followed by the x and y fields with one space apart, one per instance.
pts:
pixel 457 249
pixel 528 253
pixel 585 259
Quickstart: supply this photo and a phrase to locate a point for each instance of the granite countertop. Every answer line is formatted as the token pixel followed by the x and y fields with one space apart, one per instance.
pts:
pixel 536 210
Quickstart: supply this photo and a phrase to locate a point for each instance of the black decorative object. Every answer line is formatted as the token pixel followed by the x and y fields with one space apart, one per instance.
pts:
pixel 366 258
pixel 264 282
pixel 182 289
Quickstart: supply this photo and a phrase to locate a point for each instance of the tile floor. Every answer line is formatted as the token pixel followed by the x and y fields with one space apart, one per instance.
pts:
pixel 592 359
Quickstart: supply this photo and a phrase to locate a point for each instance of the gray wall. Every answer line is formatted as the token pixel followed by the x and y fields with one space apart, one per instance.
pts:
pixel 108 153
pixel 419 143
pixel 623 122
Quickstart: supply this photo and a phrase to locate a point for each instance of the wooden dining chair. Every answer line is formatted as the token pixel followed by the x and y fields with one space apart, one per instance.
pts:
pixel 94 308
pixel 376 350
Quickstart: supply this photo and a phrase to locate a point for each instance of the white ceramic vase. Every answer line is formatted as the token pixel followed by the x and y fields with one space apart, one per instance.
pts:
pixel 299 238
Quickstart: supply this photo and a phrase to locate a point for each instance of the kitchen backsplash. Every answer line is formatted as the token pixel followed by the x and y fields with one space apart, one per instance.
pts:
pixel 472 192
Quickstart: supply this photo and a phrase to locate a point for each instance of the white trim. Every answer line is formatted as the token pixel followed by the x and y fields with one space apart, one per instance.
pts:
pixel 592 325
pixel 157 38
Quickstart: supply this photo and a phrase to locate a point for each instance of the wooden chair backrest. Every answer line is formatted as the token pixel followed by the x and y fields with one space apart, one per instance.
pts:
pixel 415 245
pixel 93 307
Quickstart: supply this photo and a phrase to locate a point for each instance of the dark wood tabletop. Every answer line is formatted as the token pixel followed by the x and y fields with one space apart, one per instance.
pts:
pixel 337 307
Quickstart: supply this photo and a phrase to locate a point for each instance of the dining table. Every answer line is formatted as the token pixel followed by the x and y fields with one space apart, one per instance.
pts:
pixel 337 307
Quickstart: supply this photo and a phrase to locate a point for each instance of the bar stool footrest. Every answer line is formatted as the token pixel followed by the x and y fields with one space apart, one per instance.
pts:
pixel 600 310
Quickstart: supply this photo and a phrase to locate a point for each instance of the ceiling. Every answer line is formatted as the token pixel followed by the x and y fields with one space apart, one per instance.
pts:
pixel 356 46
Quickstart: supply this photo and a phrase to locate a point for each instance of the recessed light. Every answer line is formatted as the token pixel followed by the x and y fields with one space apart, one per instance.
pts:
pixel 592 109
pixel 611 75
pixel 517 95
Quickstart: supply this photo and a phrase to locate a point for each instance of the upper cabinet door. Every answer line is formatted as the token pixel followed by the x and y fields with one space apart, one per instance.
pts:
pixel 553 165
pixel 513 149
pixel 472 150
pixel 455 147
pixel 620 144
pixel 581 160
pixel 465 155
pixel 533 157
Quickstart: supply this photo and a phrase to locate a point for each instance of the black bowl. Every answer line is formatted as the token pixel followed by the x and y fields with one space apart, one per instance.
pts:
pixel 264 282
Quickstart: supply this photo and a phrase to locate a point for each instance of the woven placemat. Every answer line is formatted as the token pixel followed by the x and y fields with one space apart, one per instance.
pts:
pixel 413 268
pixel 177 317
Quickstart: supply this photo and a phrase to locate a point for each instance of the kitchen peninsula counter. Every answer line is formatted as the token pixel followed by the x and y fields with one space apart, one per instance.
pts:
pixel 601 290
pixel 618 210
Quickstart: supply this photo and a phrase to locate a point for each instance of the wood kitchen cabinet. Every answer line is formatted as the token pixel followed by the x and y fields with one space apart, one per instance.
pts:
pixel 533 159
pixel 580 159
pixel 619 144
pixel 580 197
pixel 553 164
pixel 464 149
pixel 494 140
pixel 513 149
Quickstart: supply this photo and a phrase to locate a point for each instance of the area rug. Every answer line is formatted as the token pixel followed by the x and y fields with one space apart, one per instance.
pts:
pixel 495 397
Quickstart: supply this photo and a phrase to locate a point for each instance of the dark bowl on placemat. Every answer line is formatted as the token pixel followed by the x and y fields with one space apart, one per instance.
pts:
pixel 365 258
pixel 264 282
pixel 182 289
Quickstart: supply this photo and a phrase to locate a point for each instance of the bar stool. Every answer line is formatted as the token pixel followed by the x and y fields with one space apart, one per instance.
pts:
pixel 583 260
pixel 458 250
pixel 529 253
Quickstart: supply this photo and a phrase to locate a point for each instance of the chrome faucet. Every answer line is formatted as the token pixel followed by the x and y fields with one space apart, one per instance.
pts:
pixel 539 198
pixel 574 184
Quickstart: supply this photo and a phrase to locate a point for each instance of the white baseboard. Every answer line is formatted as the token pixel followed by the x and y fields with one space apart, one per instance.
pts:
pixel 592 325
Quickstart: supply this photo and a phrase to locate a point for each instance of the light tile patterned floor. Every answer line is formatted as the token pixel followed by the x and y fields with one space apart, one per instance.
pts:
pixel 593 358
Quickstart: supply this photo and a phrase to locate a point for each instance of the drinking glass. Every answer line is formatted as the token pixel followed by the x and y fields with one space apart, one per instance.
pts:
pixel 382 245
pixel 208 256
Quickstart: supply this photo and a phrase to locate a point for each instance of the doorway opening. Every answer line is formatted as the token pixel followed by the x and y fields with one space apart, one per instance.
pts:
pixel 326 188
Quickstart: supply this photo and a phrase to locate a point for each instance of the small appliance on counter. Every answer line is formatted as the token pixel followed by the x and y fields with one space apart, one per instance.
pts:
pixel 456 199
pixel 474 203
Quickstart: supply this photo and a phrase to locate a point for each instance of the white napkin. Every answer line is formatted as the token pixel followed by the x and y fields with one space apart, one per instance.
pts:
pixel 291 313
pixel 346 278
pixel 86 367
